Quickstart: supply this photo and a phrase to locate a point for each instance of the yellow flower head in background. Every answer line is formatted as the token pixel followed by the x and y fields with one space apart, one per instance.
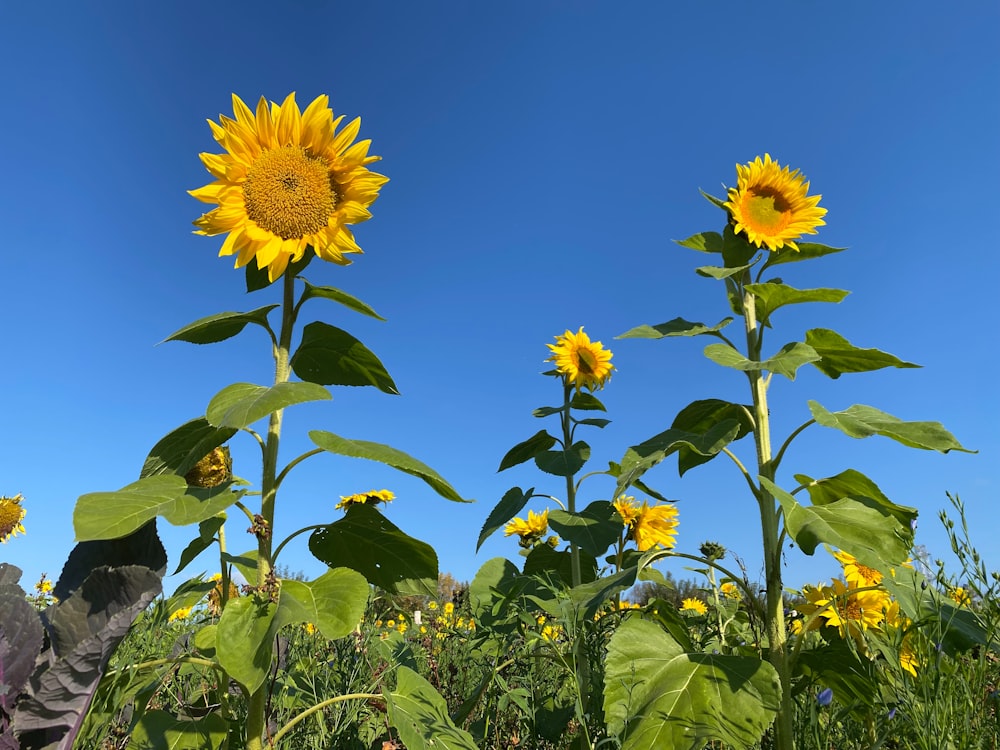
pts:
pixel 856 573
pixel 730 590
pixel 656 525
pixel 43 585
pixel 11 515
pixel 771 205
pixel 580 361
pixel 180 614
pixel 287 181
pixel 530 530
pixel 847 609
pixel 694 605
pixel 449 608
pixel 960 596
pixel 374 497
pixel 628 509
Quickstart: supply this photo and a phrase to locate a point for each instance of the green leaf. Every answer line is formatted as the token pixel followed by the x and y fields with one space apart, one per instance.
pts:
pixel 180 450
pixel 713 200
pixel 860 421
pixel 110 515
pixel 771 296
pixel 737 250
pixel 257 278
pixel 241 404
pixel 564 463
pixel 855 525
pixel 807 251
pixel 854 484
pixel 331 356
pixel 718 272
pixel 527 449
pixel 336 295
pixel 207 530
pixel 545 411
pixel 548 564
pixel 701 416
pixel 388 456
pixel 509 506
pixel 366 541
pixel 675 327
pixel 786 362
pixel 335 602
pixel 589 597
pixel 244 640
pixel 586 402
pixel 705 242
pixel 198 504
pixel 838 666
pixel 221 326
pixel 838 355
pixel 159 730
pixel 599 423
pixel 490 590
pixel 420 715
pixel 657 696
pixel 593 529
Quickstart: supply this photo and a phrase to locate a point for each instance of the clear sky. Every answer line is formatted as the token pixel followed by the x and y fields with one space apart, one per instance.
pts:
pixel 542 157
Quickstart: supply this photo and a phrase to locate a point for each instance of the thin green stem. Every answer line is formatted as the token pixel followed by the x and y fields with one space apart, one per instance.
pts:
pixel 290 537
pixel 788 441
pixel 319 707
pixel 742 468
pixel 292 464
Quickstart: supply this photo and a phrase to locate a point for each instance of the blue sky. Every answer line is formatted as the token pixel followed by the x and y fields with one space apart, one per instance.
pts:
pixel 542 157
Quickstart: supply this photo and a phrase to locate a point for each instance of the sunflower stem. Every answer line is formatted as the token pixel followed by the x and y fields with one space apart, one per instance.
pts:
pixel 774 618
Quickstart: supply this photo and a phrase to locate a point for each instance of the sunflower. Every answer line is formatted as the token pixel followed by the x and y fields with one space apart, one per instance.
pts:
pixel 730 590
pixel 580 361
pixel 846 608
pixel 771 205
pixel 694 605
pixel 373 497
pixel 287 181
pixel 11 515
pixel 531 530
pixel 856 573
pixel 655 525
pixel 627 508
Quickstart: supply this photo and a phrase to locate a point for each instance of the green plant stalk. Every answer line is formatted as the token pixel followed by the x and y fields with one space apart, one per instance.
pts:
pixel 257 708
pixel 774 616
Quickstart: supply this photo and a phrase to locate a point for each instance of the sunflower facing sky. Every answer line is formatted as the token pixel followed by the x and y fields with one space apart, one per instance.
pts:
pixel 11 515
pixel 771 205
pixel 580 361
pixel 287 181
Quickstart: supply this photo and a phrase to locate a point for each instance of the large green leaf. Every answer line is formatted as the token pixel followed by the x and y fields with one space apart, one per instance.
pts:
pixel 510 505
pixel 771 295
pixel 786 362
pixel 806 251
pixel 586 402
pixel 675 327
pixel 159 730
pixel 593 529
pixel 241 404
pixel 657 696
pixel 244 640
pixel 178 451
pixel 336 295
pixel 858 526
pixel 331 356
pixel 335 602
pixel 110 515
pixel 860 421
pixel 527 449
pixel 699 417
pixel 737 250
pixel 589 597
pixel 490 589
pixel 851 483
pixel 207 530
pixel 548 565
pixel 719 272
pixel 221 326
pixel 368 542
pixel 837 665
pixel 564 463
pixel 705 242
pixel 838 355
pixel 388 456
pixel 420 715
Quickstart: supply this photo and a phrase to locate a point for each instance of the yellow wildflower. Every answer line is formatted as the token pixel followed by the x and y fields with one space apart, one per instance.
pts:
pixel 694 605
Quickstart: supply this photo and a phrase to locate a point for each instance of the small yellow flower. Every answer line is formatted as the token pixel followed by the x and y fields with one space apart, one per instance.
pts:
pixel 960 596
pixel 581 362
pixel 694 605
pixel 402 627
pixel 287 181
pixel 432 605
pixel 541 620
pixel 374 497
pixel 181 614
pixel 551 632
pixel 44 585
pixel 730 590
pixel 531 530
pixel 390 624
pixel 378 623
pixel 11 515
pixel 310 628
pixel 423 629
pixel 771 205
pixel 449 608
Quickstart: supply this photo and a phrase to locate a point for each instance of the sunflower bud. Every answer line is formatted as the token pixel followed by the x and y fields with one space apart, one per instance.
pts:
pixel 214 469
pixel 712 551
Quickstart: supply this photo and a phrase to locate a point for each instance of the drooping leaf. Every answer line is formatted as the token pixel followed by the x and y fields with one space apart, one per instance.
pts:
pixel 701 416
pixel 257 278
pixel 388 456
pixel 593 529
pixel 718 272
pixel 336 295
pixel 510 505
pixel 771 296
pixel 207 530
pixel 851 483
pixel 420 715
pixel 241 404
pixel 564 463
pixel 245 640
pixel 527 449
pixel 366 541
pixel 110 515
pixel 142 548
pixel 331 356
pixel 860 421
pixel 221 326
pixel 857 526
pixel 737 250
pixel 590 596
pixel 181 449
pixel 718 202
pixel 657 696
pixel 586 402
pixel 675 327
pixel 159 730
pixel 786 362
pixel 546 411
pixel 838 355
pixel 335 602
pixel 705 242
pixel 806 251
pixel 21 637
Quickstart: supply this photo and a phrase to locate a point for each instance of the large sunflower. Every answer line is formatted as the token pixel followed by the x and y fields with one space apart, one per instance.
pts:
pixel 287 181
pixel 581 362
pixel 771 205
pixel 11 516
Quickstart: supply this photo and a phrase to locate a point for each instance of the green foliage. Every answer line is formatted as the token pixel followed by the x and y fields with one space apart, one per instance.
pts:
pixel 241 404
pixel 331 356
pixel 420 715
pixel 221 326
pixel 861 421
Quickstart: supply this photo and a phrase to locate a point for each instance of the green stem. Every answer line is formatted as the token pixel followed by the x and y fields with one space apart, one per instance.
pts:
pixel 257 709
pixel 319 707
pixel 567 429
pixel 774 615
